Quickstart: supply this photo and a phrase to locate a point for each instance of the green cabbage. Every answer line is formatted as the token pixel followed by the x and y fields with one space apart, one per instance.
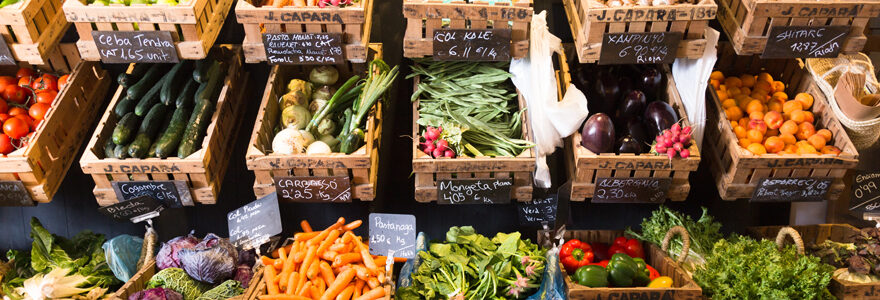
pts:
pixel 225 290
pixel 177 280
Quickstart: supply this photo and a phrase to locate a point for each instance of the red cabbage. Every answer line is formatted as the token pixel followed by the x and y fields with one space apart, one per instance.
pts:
pixel 156 294
pixel 168 256
pixel 243 275
pixel 212 260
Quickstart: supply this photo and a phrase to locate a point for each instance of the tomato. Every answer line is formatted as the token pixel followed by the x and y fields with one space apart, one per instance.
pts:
pixel 45 82
pixel 46 97
pixel 6 80
pixel 15 128
pixel 634 248
pixel 614 249
pixel 62 81
pixel 25 81
pixel 15 94
pixel 3 106
pixel 27 120
pixel 38 111
pixel 620 241
pixel 3 118
pixel 24 72
pixel 14 111
pixel 5 144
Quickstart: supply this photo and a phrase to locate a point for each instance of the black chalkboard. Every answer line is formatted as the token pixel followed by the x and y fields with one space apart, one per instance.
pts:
pixel 800 189
pixel 303 48
pixel 253 224
pixel 865 192
pixel 6 57
pixel 173 193
pixel 639 48
pixel 320 189
pixel 539 211
pixel 472 44
pixel 134 210
pixel 631 190
pixel 13 193
pixel 474 191
pixel 393 233
pixel 805 41
pixel 116 47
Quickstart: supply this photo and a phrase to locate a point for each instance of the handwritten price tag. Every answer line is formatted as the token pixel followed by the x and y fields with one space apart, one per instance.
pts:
pixel 801 189
pixel 631 190
pixel 135 46
pixel 865 193
pixel 472 44
pixel 639 48
pixel 174 193
pixel 6 57
pixel 314 188
pixel 474 191
pixel 393 233
pixel 134 210
pixel 14 193
pixel 253 224
pixel 303 48
pixel 805 41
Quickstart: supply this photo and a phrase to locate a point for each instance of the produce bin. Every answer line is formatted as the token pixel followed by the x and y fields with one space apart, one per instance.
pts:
pixel 354 22
pixel 138 282
pixel 32 29
pixel 590 20
pixel 737 171
pixel 42 164
pixel 194 24
pixel 585 167
pixel 361 167
pixel 748 22
pixel 425 16
pixel 202 171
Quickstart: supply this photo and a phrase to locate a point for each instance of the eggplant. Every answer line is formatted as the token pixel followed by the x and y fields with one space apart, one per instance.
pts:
pixel 651 82
pixel 635 128
pixel 608 92
pixel 598 134
pixel 628 144
pixel 659 116
pixel 632 105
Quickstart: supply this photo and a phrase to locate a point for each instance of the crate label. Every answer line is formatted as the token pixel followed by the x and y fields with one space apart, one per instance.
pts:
pixel 303 16
pixel 303 48
pixel 631 190
pixel 800 189
pixel 474 191
pixel 6 57
pixel 653 14
pixel 319 189
pixel 497 12
pixel 472 44
pixel 637 165
pixel 824 10
pixel 117 47
pixel 538 211
pixel 13 193
pixel 805 41
pixel 253 224
pixel 865 193
pixel 173 193
pixel 134 210
pixel 393 234
pixel 804 162
pixel 639 48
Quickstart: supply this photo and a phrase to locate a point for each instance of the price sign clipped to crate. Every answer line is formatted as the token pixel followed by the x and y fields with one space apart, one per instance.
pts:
pixel 6 57
pixel 474 191
pixel 802 189
pixel 805 41
pixel 866 193
pixel 117 47
pixel 639 47
pixel 174 193
pixel 303 48
pixel 253 224
pixel 320 189
pixel 472 44
pixel 631 190
pixel 393 235
pixel 540 211
pixel 13 193
pixel 135 210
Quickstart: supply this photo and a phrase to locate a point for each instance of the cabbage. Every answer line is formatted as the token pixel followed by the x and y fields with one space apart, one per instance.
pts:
pixel 168 256
pixel 177 280
pixel 243 274
pixel 227 289
pixel 212 260
pixel 156 294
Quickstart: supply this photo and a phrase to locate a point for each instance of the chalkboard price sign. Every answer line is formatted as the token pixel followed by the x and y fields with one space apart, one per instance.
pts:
pixel 13 193
pixel 135 210
pixel 392 233
pixel 320 189
pixel 6 57
pixel 117 47
pixel 538 211
pixel 303 48
pixel 173 193
pixel 474 191
pixel 865 192
pixel 631 190
pixel 805 41
pixel 472 44
pixel 800 189
pixel 253 224
pixel 639 48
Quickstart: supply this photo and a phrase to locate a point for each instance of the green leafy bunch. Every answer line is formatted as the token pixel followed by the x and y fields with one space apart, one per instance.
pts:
pixel 704 232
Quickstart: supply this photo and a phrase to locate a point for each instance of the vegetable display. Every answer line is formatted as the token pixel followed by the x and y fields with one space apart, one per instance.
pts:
pixel 704 232
pixel 309 3
pixel 468 265
pixel 624 3
pixel 861 258
pixel 25 99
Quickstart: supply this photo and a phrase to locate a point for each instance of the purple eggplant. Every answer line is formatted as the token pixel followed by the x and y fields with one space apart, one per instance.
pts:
pixel 598 134
pixel 632 105
pixel 628 144
pixel 651 82
pixel 659 116
pixel 635 128
pixel 608 92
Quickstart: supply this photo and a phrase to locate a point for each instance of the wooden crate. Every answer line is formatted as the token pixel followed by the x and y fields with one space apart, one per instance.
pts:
pixel 354 22
pixel 590 20
pixel 425 16
pixel 429 171
pixel 202 171
pixel 683 286
pixel 138 282
pixel 737 171
pixel 42 164
pixel 360 166
pixel 748 22
pixel 194 24
pixel 260 286
pixel 32 29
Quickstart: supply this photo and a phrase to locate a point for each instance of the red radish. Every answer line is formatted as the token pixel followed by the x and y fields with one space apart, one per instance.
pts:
pixel 660 149
pixel 448 153
pixel 667 134
pixel 432 133
pixel 676 128
pixel 671 153
pixel 685 153
pixel 430 148
pixel 687 130
pixel 678 147
pixel 442 144
pixel 437 153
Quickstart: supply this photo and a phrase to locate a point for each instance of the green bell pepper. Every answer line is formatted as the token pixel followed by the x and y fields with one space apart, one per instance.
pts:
pixel 643 275
pixel 591 276
pixel 624 271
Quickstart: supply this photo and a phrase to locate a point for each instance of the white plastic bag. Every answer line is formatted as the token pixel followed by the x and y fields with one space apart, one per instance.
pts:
pixel 692 79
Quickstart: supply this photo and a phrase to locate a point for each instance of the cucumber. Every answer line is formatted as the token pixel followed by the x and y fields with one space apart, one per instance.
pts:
pixel 124 131
pixel 173 84
pixel 192 137
pixel 166 122
pixel 140 146
pixel 120 152
pixel 108 149
pixel 170 139
pixel 150 79
pixel 186 96
pixel 201 68
pixel 127 80
pixel 149 126
pixel 124 106
pixel 151 98
pixel 215 80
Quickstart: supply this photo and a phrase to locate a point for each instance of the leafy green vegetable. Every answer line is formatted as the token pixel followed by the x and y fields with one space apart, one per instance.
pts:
pixel 225 290
pixel 704 233
pixel 177 280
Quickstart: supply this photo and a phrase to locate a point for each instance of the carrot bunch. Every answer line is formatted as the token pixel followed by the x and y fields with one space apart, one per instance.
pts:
pixel 324 265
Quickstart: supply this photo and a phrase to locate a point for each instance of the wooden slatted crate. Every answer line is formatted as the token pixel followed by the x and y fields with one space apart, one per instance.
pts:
pixel 42 164
pixel 748 22
pixel 202 171
pixel 354 22
pixel 32 29
pixel 425 16
pixel 138 282
pixel 737 171
pixel 590 20
pixel 361 166
pixel 260 283
pixel 194 24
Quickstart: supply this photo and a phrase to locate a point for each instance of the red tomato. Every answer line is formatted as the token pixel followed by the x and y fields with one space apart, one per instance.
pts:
pixel 14 111
pixel 45 82
pixel 634 248
pixel 3 106
pixel 38 111
pixel 6 80
pixel 15 128
pixel 27 120
pixel 25 81
pixel 620 241
pixel 5 144
pixel 62 81
pixel 46 97
pixel 3 118
pixel 24 72
pixel 614 249
pixel 15 94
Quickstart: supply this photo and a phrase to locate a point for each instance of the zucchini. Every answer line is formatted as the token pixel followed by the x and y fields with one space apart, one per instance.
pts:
pixel 151 98
pixel 201 68
pixel 129 79
pixel 108 149
pixel 124 106
pixel 150 79
pixel 120 152
pixel 149 126
pixel 170 139
pixel 140 146
pixel 124 130
pixel 166 123
pixel 186 96
pixel 173 84
pixel 198 121
pixel 209 89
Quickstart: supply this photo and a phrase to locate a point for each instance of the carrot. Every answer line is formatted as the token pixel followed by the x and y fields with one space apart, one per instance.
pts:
pixel 326 272
pixel 346 293
pixel 383 258
pixel 304 291
pixel 358 288
pixel 336 287
pixel 313 269
pixel 375 293
pixel 319 283
pixel 305 226
pixel 347 237
pixel 323 234
pixel 328 241
pixel 305 236
pixel 286 248
pixel 269 274
pixel 352 226
pixel 299 256
pixel 313 290
pixel 381 277
pixel 267 261
pixel 278 264
pixel 301 281
pixel 307 262
pixel 291 283
pixel 361 272
pixel 367 258
pixel 336 247
pixel 282 281
pixel 348 258
pixel 283 297
pixel 373 282
pixel 329 255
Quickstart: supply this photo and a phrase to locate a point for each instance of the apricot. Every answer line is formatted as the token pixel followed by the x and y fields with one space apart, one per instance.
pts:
pixel 798 116
pixel 805 99
pixel 744 122
pixel 773 119
pixel 808 117
pixel 716 75
pixel 728 103
pixel 789 127
pixel 763 85
pixel 806 149
pixel 733 113
pixel 775 105
pixel 774 144
pixel 758 125
pixel 744 142
pixel 817 141
pixel 777 86
pixel 740 132
pixel 756 149
pixel 715 84
pixel 830 150
pixel 788 139
pixel 733 82
pixel 722 95
pixel 745 91
pixel 790 149
pixel 756 115
pixel 733 91
pixel 790 106
pixel 825 133
pixel 754 136
pixel 747 80
pixel 780 95
pixel 805 130
pixel 765 77
pixel 754 105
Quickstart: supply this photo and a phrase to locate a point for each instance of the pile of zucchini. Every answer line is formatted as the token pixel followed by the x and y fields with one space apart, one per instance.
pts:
pixel 166 109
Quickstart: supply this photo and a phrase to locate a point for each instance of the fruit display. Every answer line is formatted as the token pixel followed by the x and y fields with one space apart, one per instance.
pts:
pixel 310 3
pixel 766 120
pixel 620 265
pixel 25 100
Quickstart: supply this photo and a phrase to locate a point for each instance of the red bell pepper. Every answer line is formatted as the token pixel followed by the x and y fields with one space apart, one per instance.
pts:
pixel 603 263
pixel 600 251
pixel 634 248
pixel 653 274
pixel 575 254
pixel 614 249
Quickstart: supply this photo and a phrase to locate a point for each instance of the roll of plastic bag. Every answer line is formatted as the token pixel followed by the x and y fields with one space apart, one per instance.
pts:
pixel 692 79
pixel 122 254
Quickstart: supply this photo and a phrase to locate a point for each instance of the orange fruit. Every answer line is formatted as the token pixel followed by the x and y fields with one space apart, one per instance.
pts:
pixel 830 150
pixel 745 91
pixel 715 84
pixel 733 124
pixel 728 103
pixel 817 141
pixel 733 82
pixel 763 85
pixel 788 139
pixel 790 106
pixel 755 136
pixel 765 77
pixel 757 149
pixel 747 80
pixel 806 148
pixel 790 149
pixel 774 144
pixel 825 133
pixel 733 113
pixel 740 132
pixel 805 99
pixel 775 105
pixel 789 127
pixel 753 106
pixel 722 95
pixel 808 117
pixel 778 86
pixel 756 115
pixel 717 75
pixel 780 95
pixel 744 142
pixel 733 91
pixel 744 122
pixel 805 130
pixel 798 116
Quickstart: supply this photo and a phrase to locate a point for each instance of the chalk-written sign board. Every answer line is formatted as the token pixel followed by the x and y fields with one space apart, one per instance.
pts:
pixel 173 193
pixel 253 224
pixel 800 189
pixel 393 233
pixel 472 44
pixel 865 193
pixel 116 47
pixel 538 211
pixel 805 41
pixel 631 190
pixel 321 189
pixel 639 48
pixel 6 57
pixel 13 193
pixel 474 191
pixel 135 210
pixel 303 48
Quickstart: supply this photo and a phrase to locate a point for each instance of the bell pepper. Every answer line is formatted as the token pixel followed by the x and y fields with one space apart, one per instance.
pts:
pixel 661 282
pixel 643 275
pixel 600 251
pixel 653 272
pixel 591 276
pixel 624 271
pixel 575 254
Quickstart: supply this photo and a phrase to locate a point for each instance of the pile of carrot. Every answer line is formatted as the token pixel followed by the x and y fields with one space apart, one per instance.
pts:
pixel 324 265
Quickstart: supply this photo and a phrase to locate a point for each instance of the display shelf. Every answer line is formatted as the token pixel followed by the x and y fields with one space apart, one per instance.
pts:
pixel 32 29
